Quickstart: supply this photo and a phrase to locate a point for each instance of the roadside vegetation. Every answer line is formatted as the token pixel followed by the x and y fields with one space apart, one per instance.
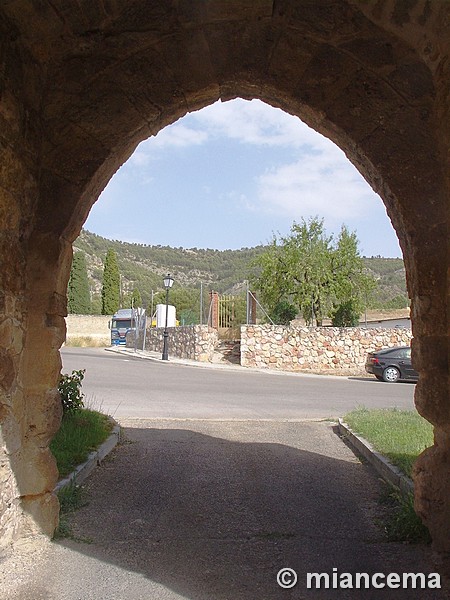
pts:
pixel 87 341
pixel 402 524
pixel 399 435
pixel 71 498
pixel 80 434
pixel 82 430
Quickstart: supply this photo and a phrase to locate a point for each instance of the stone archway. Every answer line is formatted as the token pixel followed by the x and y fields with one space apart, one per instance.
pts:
pixel 83 83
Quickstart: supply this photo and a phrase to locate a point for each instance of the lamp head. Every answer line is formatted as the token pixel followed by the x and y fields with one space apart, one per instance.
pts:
pixel 168 281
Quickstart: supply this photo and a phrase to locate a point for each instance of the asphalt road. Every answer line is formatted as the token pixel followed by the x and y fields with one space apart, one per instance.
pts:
pixel 124 386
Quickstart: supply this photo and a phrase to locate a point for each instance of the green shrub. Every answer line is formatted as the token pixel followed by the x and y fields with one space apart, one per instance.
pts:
pixel 346 315
pixel 283 313
pixel 69 388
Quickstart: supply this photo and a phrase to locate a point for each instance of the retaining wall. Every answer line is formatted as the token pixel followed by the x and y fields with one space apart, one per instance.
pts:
pixel 319 349
pixel 196 342
pixel 88 327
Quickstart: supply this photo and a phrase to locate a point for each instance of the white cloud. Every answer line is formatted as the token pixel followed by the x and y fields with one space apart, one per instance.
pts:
pixel 248 122
pixel 236 200
pixel 254 122
pixel 140 158
pixel 319 181
pixel 323 184
pixel 177 135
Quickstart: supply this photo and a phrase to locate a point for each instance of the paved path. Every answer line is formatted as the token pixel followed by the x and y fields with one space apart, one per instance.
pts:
pixel 212 510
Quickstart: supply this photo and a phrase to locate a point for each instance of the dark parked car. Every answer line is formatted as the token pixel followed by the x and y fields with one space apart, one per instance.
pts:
pixel 391 364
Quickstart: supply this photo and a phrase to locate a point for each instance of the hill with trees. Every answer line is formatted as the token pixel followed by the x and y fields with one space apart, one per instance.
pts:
pixel 142 267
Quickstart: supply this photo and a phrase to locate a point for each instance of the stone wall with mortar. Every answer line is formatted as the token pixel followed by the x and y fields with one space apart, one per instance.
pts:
pixel 321 349
pixel 196 342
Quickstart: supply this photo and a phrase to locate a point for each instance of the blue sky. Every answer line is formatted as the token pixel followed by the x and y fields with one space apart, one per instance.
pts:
pixel 231 176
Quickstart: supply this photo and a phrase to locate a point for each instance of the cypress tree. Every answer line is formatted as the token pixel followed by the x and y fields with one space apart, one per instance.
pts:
pixel 136 299
pixel 111 284
pixel 78 296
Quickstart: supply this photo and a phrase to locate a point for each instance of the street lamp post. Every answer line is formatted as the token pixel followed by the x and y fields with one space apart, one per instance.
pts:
pixel 168 283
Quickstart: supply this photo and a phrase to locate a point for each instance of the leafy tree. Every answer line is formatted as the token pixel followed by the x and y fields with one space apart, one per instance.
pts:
pixel 270 281
pixel 309 255
pixel 78 288
pixel 308 269
pixel 187 317
pixel 283 313
pixel 345 315
pixel 353 286
pixel 186 301
pixel 111 284
pixel 297 269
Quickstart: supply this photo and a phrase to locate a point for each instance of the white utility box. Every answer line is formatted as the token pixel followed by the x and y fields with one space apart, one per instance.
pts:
pixel 161 315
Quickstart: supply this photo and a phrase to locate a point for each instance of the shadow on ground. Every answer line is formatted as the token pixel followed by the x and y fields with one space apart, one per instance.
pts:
pixel 189 510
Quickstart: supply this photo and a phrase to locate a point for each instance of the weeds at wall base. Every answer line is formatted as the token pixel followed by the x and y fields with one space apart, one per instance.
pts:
pixel 86 341
pixel 401 523
pixel 71 498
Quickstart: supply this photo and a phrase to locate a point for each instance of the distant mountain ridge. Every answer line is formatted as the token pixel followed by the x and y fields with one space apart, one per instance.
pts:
pixel 225 271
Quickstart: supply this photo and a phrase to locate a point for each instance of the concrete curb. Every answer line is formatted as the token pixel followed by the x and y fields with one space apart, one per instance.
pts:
pixel 381 464
pixel 156 357
pixel 94 459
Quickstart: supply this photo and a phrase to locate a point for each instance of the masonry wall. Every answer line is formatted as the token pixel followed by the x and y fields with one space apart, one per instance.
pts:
pixel 196 342
pixel 322 349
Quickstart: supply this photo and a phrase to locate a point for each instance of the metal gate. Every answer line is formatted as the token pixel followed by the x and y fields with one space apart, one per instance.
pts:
pixel 228 312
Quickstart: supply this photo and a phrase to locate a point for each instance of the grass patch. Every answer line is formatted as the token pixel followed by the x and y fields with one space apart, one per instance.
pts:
pixel 81 432
pixel 400 435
